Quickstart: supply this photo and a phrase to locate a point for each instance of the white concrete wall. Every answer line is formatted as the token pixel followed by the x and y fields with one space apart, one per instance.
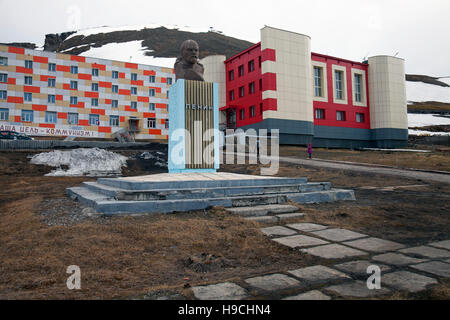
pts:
pixel 215 72
pixel 293 71
pixel 387 93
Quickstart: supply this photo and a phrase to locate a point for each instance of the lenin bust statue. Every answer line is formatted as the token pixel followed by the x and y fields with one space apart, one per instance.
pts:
pixel 187 65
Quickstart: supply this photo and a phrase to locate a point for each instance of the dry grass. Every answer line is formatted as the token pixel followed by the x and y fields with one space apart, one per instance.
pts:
pixel 429 161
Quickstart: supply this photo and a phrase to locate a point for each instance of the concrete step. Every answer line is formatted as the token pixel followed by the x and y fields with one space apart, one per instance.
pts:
pixel 110 206
pixel 262 210
pixel 198 193
pixel 275 218
pixel 220 182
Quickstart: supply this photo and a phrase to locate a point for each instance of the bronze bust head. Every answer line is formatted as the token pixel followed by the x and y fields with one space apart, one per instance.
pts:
pixel 187 65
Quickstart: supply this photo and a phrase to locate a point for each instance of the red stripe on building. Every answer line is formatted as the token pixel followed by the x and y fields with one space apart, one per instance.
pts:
pixel 98 111
pixel 12 99
pixel 154 131
pixel 269 81
pixel 268 55
pixel 59 97
pixel 149 115
pixel 125 92
pixel 80 104
pixel 122 119
pixel 11 80
pixel 163 121
pixel 16 50
pixel 66 86
pixel 23 70
pixel 149 73
pixel 47 125
pixel 84 76
pixel 83 122
pixel 270 104
pixel 131 65
pixel 121 75
pixel 89 94
pixel 78 58
pixel 40 59
pixel 62 68
pixel 45 78
pixel 143 99
pixel 99 66
pixel 17 119
pixel 107 101
pixel 39 107
pixel 140 82
pixel 103 84
pixel 161 105
pixel 62 115
pixel 31 89
pixel 104 129
pixel 163 80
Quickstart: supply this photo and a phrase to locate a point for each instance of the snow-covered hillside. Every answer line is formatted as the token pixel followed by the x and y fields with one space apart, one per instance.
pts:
pixel 421 92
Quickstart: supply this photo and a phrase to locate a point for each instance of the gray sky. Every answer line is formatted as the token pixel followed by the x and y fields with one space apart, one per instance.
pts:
pixel 419 30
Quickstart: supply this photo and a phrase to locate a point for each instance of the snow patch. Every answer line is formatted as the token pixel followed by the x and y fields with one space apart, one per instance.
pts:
pixel 427 133
pixel 131 51
pixel 421 92
pixel 422 120
pixel 91 162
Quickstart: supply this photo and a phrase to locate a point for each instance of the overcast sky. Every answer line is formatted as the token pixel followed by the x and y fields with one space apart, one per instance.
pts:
pixel 416 30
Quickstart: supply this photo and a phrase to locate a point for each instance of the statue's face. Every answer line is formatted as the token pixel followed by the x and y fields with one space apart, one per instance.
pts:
pixel 190 53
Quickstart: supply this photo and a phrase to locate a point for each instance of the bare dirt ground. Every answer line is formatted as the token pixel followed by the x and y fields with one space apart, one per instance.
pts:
pixel 42 232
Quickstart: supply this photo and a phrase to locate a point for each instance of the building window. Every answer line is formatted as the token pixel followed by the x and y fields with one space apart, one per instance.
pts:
pixel 51 82
pixel 115 75
pixel 359 117
pixel 152 106
pixel 29 81
pixel 169 81
pixel 74 85
pixel 230 75
pixel 259 62
pixel 28 64
pixel 74 69
pixel 51 117
pixel 74 100
pixel 134 77
pixel 114 121
pixel 241 91
pixel 51 98
pixel 114 88
pixel 251 88
pixel 152 79
pixel 318 82
pixel 231 94
pixel 151 122
pixel 133 105
pixel 4 114
pixel 151 92
pixel 94 120
pixel 114 103
pixel 28 96
pixel 95 72
pixel 72 118
pixel 242 114
pixel 27 115
pixel 166 123
pixel 241 70
pixel 251 65
pixel 94 87
pixel 52 67
pixel 340 115
pixel 94 102
pixel 320 113
pixel 261 108
pixel 3 61
pixel 3 95
pixel 133 90
pixel 252 111
pixel 338 78
pixel 358 80
pixel 3 77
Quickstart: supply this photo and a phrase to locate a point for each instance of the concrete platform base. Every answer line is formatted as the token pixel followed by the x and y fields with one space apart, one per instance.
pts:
pixel 178 192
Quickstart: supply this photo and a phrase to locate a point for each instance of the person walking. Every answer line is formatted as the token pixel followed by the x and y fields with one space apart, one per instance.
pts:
pixel 310 150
